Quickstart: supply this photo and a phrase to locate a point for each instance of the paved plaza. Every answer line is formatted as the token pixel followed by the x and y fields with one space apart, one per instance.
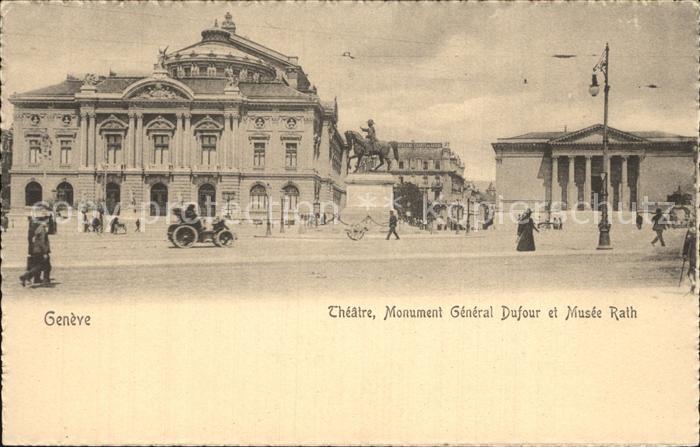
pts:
pixel 325 261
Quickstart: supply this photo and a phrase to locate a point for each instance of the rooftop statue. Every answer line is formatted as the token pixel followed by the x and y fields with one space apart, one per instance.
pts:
pixel 162 57
pixel 90 79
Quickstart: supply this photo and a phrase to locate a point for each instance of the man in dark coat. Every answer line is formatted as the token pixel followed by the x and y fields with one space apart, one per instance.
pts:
pixel 659 225
pixel 39 250
pixel 393 221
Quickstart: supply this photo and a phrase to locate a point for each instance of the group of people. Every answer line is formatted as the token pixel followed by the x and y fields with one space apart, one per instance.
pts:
pixel 527 227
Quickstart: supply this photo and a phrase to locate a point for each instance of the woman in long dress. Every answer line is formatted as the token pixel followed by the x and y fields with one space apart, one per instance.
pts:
pixel 526 238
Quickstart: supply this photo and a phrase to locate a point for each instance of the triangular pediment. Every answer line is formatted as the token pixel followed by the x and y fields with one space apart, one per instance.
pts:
pixel 594 135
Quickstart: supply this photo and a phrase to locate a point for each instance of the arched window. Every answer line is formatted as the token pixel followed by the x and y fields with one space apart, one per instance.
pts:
pixel 159 200
pixel 32 193
pixel 207 200
pixel 258 198
pixel 64 193
pixel 291 197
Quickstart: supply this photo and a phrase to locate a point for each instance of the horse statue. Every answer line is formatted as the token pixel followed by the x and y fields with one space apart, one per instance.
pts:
pixel 360 148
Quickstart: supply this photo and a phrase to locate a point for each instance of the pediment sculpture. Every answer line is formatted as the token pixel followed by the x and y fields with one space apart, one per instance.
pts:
pixel 158 91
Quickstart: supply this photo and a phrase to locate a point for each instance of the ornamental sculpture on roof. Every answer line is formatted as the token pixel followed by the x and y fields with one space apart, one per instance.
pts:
pixel 158 91
pixel 231 80
pixel 90 79
pixel 162 57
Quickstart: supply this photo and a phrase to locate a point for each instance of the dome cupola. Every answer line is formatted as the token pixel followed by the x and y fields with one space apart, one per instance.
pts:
pixel 228 24
pixel 215 34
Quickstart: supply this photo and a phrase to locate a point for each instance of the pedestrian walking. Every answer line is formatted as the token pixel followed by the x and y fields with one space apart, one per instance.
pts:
pixel 86 222
pixel 526 238
pixel 639 220
pixel 138 225
pixel 393 221
pixel 690 254
pixel 39 254
pixel 659 225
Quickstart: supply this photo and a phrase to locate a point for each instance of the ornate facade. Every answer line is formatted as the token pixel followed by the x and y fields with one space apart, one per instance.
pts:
pixel 224 120
pixel 563 168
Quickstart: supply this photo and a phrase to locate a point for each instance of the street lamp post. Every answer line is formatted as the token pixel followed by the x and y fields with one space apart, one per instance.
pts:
pixel 604 225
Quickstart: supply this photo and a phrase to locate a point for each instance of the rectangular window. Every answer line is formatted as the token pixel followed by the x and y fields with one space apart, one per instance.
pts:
pixel 259 154
pixel 114 145
pixel 161 145
pixel 66 147
pixel 34 151
pixel 401 165
pixel 425 165
pixel 437 164
pixel 291 155
pixel 208 149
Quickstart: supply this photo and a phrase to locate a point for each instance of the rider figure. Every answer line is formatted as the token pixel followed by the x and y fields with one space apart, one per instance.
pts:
pixel 371 134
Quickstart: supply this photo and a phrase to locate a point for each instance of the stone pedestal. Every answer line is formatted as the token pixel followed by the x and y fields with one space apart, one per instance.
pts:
pixel 368 194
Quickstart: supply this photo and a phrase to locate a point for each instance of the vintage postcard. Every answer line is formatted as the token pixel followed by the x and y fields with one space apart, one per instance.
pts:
pixel 349 223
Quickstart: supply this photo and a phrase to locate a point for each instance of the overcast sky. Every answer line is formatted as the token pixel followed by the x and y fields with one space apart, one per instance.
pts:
pixel 424 72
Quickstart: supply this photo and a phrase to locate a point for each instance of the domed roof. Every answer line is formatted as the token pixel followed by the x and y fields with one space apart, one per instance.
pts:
pixel 216 56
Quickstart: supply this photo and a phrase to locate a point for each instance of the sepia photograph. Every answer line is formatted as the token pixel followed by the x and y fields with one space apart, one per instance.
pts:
pixel 349 223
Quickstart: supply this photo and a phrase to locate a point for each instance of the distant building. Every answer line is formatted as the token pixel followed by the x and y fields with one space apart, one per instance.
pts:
pixel 222 120
pixel 6 161
pixel 431 165
pixel 565 168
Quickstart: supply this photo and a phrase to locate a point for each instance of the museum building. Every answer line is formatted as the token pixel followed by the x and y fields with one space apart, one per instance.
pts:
pixel 225 121
pixel 563 169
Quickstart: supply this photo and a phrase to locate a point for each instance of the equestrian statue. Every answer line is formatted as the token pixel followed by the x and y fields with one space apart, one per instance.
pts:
pixel 361 147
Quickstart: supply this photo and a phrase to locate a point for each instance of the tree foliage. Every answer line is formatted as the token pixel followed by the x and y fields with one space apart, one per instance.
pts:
pixel 408 198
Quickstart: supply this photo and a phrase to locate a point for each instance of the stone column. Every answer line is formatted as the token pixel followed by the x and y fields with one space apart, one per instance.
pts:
pixel 129 159
pixel 83 140
pixel 91 140
pixel 177 149
pixel 571 198
pixel 228 153
pixel 139 140
pixel 555 190
pixel 624 197
pixel 187 158
pixel 587 184
pixel 641 201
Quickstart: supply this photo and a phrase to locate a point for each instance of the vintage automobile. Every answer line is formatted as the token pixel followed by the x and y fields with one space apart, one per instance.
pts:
pixel 190 229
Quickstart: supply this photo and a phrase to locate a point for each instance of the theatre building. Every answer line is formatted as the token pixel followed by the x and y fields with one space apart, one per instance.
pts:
pixel 224 120
pixel 564 168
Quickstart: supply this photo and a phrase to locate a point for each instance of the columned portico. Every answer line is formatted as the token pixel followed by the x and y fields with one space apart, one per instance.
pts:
pixel 643 168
